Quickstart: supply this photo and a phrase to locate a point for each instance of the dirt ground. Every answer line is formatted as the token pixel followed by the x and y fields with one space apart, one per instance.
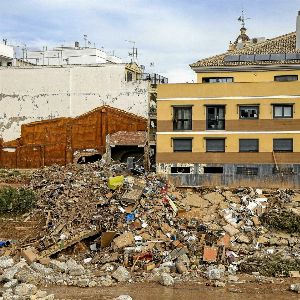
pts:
pixel 193 291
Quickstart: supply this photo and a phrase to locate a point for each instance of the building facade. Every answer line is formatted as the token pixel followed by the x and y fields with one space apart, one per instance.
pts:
pixel 36 93
pixel 239 124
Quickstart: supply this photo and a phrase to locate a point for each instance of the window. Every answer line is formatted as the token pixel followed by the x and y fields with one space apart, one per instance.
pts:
pixel 249 112
pixel 182 118
pixel 283 145
pixel 248 145
pixel 129 76
pixel 9 63
pixel 215 145
pixel 247 170
pixel 283 78
pixel 284 170
pixel 182 145
pixel 176 170
pixel 283 111
pixel 216 79
pixel 215 117
pixel 213 170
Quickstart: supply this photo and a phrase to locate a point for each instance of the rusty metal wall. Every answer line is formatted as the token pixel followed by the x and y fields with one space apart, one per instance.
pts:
pixel 51 142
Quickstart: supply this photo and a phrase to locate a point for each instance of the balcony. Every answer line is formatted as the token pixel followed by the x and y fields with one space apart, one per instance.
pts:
pixel 216 124
pixel 154 78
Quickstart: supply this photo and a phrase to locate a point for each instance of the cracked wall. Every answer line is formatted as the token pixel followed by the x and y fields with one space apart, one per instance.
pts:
pixel 29 94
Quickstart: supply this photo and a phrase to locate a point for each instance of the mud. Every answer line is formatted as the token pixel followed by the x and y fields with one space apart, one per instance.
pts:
pixel 195 291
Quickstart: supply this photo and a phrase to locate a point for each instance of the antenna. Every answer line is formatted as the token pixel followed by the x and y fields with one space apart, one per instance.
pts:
pixel 85 39
pixel 242 19
pixel 134 52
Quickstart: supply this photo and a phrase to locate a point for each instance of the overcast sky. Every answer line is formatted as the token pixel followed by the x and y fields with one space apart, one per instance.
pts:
pixel 170 33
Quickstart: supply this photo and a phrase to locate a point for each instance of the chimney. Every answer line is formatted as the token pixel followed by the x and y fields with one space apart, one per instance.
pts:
pixel 76 44
pixel 298 31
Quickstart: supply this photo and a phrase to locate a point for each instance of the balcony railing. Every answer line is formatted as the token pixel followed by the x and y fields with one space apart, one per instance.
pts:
pixel 154 78
pixel 216 124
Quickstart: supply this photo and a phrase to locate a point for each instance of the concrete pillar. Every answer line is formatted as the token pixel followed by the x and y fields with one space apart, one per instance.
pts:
pixel 298 31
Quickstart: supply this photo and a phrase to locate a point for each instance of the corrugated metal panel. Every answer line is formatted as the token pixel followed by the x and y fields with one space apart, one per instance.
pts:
pixel 29 156
pixel 54 141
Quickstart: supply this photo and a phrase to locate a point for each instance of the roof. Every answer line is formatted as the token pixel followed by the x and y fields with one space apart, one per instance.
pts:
pixel 115 110
pixel 279 45
pixel 125 138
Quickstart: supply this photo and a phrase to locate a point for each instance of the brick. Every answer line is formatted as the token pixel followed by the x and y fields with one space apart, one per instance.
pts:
pixel 224 240
pixel 210 254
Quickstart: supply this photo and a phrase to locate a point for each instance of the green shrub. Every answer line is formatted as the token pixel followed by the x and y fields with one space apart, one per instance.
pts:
pixel 284 220
pixel 16 201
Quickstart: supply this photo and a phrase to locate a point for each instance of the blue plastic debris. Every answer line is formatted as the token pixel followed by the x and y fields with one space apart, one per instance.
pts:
pixel 130 217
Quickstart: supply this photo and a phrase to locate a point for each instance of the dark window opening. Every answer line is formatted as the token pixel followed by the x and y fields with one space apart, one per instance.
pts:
pixel 216 79
pixel 89 159
pixel 215 145
pixel 282 111
pixel 247 171
pixel 9 63
pixel 284 78
pixel 182 145
pixel 129 76
pixel 215 117
pixel 283 145
pixel 249 112
pixel 182 118
pixel 176 170
pixel 284 171
pixel 248 145
pixel 213 170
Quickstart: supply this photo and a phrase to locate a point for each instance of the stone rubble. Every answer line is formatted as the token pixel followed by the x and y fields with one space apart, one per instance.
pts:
pixel 93 236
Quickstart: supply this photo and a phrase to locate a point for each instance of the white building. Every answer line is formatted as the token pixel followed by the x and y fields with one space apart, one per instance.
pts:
pixel 34 93
pixel 70 56
pixel 6 55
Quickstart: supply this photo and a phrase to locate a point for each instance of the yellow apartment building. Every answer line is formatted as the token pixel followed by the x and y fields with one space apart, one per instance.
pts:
pixel 240 123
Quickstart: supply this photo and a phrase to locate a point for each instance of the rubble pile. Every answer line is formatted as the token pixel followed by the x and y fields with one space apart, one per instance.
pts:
pixel 103 226
pixel 15 278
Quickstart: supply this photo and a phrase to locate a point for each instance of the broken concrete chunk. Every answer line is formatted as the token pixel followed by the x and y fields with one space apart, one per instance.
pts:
pixel 231 230
pixel 6 262
pixel 121 274
pixel 74 268
pixel 214 198
pixel 181 267
pixel 295 287
pixel 242 238
pixel 166 279
pixel 30 255
pixel 194 200
pixel 123 240
pixel 25 289
pixel 134 195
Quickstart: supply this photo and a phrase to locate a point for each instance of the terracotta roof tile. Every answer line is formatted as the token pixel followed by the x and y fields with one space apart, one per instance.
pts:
pixel 282 44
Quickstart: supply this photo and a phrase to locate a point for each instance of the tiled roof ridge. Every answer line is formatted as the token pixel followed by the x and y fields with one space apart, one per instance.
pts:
pixel 218 59
pixel 261 44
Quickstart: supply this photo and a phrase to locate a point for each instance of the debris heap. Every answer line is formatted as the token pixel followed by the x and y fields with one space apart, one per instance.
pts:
pixel 103 225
